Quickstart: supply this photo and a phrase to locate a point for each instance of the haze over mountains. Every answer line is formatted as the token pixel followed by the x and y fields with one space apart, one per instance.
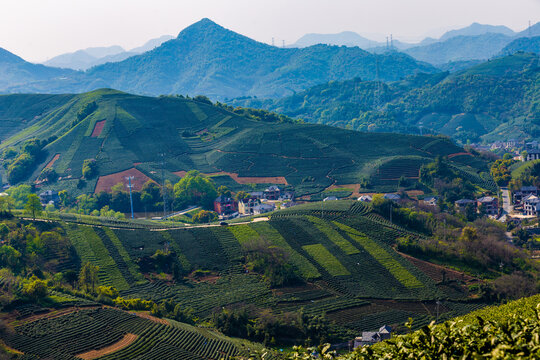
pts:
pixel 87 58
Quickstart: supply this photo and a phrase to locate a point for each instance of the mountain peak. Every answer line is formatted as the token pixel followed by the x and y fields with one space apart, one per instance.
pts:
pixel 202 25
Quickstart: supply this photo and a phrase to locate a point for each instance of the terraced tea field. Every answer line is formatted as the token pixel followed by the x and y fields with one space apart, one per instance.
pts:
pixel 106 333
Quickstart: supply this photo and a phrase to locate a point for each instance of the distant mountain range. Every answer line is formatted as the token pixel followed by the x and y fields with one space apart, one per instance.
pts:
pixel 87 58
pixel 208 59
pixel 474 42
pixel 494 100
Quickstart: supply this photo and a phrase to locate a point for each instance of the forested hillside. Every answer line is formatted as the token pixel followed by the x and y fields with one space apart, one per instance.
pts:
pixel 495 100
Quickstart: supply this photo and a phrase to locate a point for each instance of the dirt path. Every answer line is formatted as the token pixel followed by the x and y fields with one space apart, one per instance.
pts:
pixel 146 315
pixel 127 340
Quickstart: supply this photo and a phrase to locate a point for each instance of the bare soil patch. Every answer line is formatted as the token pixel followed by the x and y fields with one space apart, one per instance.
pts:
pixel 98 128
pixel 460 154
pixel 127 340
pixel 146 315
pixel 105 183
pixel 53 160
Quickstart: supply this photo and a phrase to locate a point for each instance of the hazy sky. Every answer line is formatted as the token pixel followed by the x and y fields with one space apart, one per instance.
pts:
pixel 40 29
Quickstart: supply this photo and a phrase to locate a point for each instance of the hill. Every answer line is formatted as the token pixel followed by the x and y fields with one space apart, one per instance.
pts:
pixel 207 59
pixel 15 71
pixel 128 132
pixel 460 48
pixel 490 101
pixel 478 29
pixel 530 45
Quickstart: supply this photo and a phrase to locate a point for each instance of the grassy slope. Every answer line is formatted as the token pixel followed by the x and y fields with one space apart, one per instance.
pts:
pixel 138 129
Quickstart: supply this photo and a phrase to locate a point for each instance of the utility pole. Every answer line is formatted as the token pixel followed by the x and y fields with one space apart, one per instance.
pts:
pixel 391 211
pixel 164 189
pixel 129 178
pixel 438 304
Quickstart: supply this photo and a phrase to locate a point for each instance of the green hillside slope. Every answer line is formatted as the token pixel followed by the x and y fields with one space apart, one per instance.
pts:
pixel 495 100
pixel 122 132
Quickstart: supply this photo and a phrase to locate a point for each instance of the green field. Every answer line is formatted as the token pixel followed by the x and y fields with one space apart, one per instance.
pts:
pixel 138 129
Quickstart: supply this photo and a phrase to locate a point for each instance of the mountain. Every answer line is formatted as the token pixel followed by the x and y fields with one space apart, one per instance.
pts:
pixel 460 48
pixel 533 30
pixel 128 132
pixel 207 59
pixel 524 44
pixel 15 71
pixel 151 44
pixel 85 59
pixel 494 100
pixel 476 29
pixel 346 38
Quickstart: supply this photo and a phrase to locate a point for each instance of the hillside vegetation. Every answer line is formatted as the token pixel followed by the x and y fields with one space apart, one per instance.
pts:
pixel 494 100
pixel 124 132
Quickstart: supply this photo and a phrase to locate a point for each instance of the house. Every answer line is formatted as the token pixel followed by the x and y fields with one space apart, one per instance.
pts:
pixel 287 195
pixel 392 197
pixel 247 206
pixel 48 197
pixel 272 193
pixel 257 194
pixel 287 204
pixel 365 198
pixel 372 337
pixel 431 200
pixel 461 204
pixel 263 208
pixel 489 205
pixel 531 205
pixel 533 154
pixel 224 205
pixel 524 192
pixel 330 198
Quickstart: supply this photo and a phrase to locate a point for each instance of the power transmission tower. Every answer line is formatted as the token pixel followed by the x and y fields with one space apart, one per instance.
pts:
pixel 273 42
pixel 283 43
pixel 129 178
pixel 529 28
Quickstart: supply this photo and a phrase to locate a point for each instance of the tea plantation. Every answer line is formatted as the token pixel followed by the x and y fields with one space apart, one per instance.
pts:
pixel 123 131
pixel 340 251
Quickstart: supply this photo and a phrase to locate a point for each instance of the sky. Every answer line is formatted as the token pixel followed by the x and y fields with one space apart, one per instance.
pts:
pixel 38 30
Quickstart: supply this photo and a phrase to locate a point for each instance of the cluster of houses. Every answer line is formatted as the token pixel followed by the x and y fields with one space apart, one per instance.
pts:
pixel 515 146
pixel 488 205
pixel 258 202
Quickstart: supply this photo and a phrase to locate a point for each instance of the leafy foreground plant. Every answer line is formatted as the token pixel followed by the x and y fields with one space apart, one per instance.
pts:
pixel 510 331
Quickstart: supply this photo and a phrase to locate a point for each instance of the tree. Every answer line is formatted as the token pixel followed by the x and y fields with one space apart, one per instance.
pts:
pixel 89 169
pixel 20 194
pixel 150 194
pixel 88 278
pixel 241 195
pixel 6 203
pixel 35 288
pixel 205 216
pixel 468 234
pixel 33 206
pixel 10 256
pixel 4 230
pixel 195 189
pixel 223 190
pixel 86 203
pixel 65 199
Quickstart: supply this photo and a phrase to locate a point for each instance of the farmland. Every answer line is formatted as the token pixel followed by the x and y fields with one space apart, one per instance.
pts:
pixel 341 253
pixel 126 134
